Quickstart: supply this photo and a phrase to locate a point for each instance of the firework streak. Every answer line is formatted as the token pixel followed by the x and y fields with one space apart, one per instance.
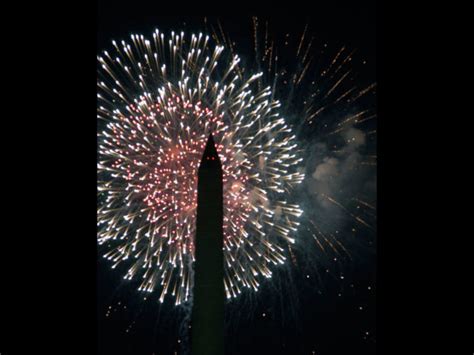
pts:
pixel 158 101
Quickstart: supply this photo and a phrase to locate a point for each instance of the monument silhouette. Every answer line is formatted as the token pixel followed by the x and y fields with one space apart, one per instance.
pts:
pixel 207 323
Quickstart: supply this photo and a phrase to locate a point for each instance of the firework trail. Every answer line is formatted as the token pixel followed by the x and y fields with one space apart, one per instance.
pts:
pixel 332 110
pixel 158 100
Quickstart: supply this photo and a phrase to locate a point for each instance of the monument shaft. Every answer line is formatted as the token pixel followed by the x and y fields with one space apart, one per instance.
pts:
pixel 207 327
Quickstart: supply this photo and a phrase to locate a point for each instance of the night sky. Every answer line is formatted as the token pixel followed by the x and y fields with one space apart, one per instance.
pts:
pixel 316 314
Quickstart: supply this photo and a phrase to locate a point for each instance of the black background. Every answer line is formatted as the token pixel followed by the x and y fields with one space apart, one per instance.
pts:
pixel 49 262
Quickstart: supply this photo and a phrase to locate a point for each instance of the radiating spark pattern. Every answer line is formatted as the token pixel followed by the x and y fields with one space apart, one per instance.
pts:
pixel 333 114
pixel 158 101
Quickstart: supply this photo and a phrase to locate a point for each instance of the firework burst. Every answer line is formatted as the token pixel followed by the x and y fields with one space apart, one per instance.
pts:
pixel 328 97
pixel 158 101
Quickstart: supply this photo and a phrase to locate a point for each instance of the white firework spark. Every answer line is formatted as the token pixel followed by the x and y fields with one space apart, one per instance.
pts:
pixel 159 99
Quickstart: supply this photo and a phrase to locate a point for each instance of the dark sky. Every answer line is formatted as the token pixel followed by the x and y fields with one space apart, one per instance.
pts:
pixel 335 318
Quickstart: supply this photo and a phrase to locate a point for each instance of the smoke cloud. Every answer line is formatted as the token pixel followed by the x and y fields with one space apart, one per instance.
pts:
pixel 340 169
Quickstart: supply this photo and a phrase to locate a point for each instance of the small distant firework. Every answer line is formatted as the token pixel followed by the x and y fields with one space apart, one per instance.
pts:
pixel 158 100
